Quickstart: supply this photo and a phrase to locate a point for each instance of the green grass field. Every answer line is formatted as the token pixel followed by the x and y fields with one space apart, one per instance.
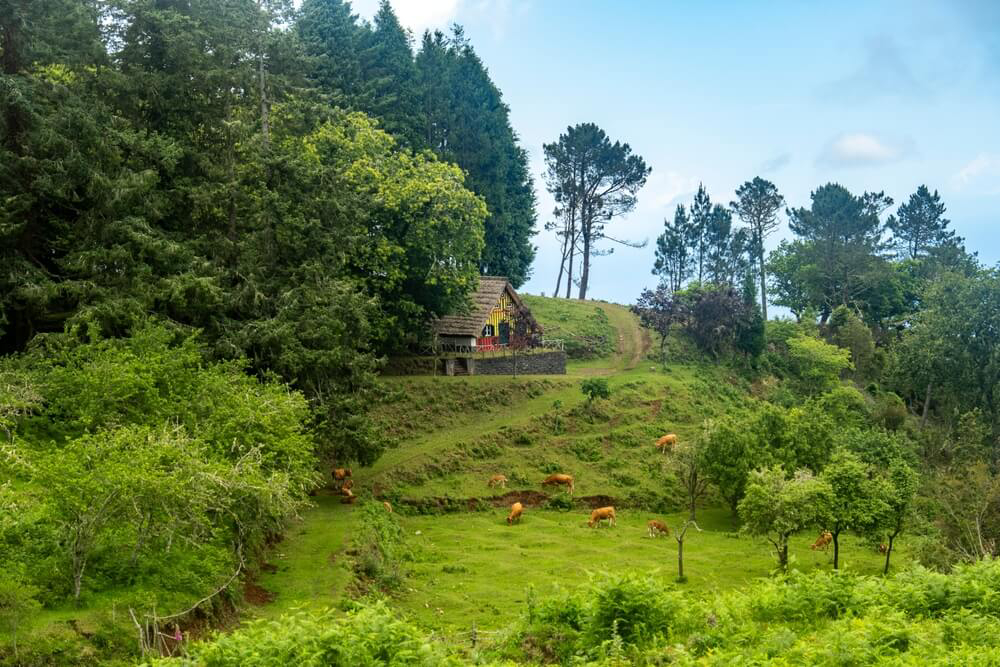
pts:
pixel 449 435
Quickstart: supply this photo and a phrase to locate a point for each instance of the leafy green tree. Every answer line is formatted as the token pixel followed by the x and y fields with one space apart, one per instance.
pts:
pixel 786 269
pixel 603 179
pixel 817 365
pixel 919 225
pixel 757 204
pixel 17 603
pixel 776 507
pixel 901 483
pixel 730 454
pixel 687 464
pixel 855 501
pixel 849 332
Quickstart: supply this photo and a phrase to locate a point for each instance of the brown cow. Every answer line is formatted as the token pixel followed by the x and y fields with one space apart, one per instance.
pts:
pixel 515 513
pixel 667 442
pixel 655 527
pixel 340 474
pixel 387 506
pixel 497 480
pixel 603 514
pixel 347 485
pixel 883 547
pixel 823 541
pixel 559 480
pixel 349 497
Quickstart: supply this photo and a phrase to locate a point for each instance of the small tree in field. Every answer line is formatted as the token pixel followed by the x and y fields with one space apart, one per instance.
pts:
pixel 855 501
pixel 687 463
pixel 901 487
pixel 775 507
pixel 679 536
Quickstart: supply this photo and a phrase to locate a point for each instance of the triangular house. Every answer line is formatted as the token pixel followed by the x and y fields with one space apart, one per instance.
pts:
pixel 496 316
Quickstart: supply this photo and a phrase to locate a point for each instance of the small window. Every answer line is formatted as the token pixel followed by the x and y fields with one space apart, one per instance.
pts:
pixel 488 331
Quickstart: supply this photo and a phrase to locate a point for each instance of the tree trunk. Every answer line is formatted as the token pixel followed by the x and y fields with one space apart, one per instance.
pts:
pixel 569 272
pixel 693 506
pixel 585 274
pixel 927 405
pixel 763 283
pixel 783 556
pixel 265 121
pixel 836 549
pixel 888 553
pixel 680 557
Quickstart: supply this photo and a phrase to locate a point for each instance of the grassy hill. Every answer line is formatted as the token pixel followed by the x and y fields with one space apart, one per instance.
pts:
pixel 447 436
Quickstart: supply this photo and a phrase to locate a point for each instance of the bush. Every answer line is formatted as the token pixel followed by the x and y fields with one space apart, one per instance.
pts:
pixel 594 388
pixel 890 411
pixel 368 636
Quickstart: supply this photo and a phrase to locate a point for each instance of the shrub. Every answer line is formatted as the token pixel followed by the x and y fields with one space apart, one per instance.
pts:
pixel 368 636
pixel 594 388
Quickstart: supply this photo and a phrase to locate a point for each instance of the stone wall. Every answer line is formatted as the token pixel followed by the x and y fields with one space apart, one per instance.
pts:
pixel 541 363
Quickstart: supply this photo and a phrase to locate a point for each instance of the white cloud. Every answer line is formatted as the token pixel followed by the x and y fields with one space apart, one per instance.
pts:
pixel 860 150
pixel 665 187
pixel 417 15
pixel 983 170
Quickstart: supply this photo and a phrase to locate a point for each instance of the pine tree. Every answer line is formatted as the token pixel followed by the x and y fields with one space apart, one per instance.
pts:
pixel 673 258
pixel 701 213
pixel 757 204
pixel 920 226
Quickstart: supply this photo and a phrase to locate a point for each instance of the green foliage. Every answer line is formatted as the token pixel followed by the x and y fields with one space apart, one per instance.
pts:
pixel 817 365
pixel 849 332
pixel 367 636
pixel 775 506
pixel 856 500
pixel 139 441
pixel 594 388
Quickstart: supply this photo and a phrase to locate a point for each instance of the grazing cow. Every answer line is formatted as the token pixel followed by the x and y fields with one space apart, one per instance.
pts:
pixel 559 480
pixel 347 485
pixel 667 442
pixel 603 514
pixel 349 497
pixel 823 541
pixel 387 506
pixel 340 474
pixel 655 527
pixel 515 513
pixel 882 548
pixel 497 480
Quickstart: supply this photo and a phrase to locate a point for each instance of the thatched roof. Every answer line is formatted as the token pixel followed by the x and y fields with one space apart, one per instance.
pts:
pixel 482 303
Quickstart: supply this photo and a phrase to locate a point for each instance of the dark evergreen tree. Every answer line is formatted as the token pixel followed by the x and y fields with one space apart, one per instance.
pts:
pixel 701 213
pixel 390 77
pixel 673 255
pixel 757 204
pixel 920 226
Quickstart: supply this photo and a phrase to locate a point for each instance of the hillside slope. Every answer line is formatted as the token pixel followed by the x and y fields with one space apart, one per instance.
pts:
pixel 448 435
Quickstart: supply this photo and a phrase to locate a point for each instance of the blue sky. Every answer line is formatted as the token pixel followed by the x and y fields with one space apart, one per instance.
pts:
pixel 875 96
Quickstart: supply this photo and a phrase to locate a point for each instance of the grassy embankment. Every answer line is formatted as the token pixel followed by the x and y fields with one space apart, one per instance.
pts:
pixel 448 435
